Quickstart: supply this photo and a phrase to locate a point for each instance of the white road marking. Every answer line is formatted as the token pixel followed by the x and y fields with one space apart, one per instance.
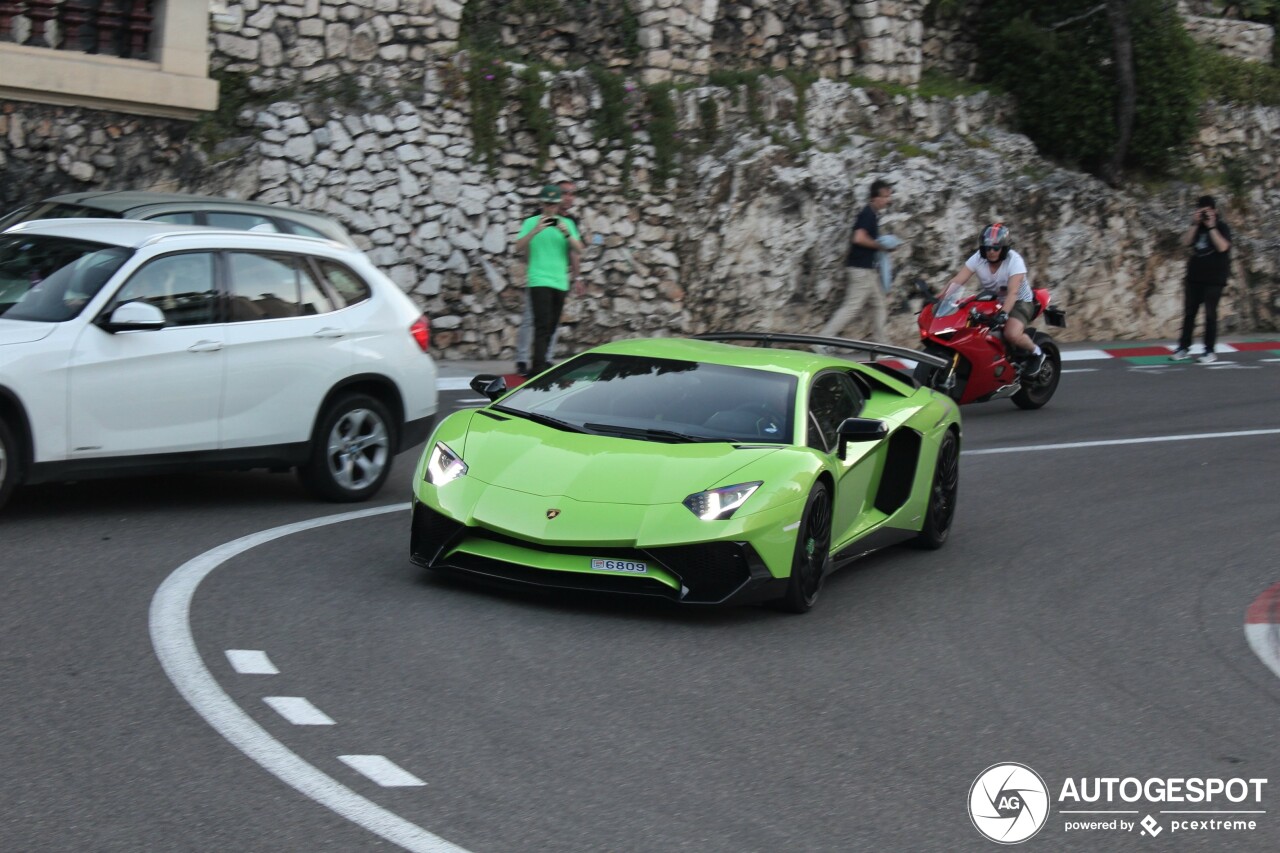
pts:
pixel 1028 448
pixel 381 770
pixel 453 383
pixel 297 710
pixel 1264 639
pixel 251 662
pixel 176 648
pixel 1081 370
pixel 1085 355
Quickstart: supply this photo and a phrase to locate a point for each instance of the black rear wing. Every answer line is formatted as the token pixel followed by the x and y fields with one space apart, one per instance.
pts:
pixel 875 350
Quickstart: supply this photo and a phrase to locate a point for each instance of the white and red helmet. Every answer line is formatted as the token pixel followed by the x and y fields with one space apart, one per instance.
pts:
pixel 995 236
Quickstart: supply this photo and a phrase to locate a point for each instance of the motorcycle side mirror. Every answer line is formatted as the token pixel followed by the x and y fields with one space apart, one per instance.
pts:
pixel 923 289
pixel 859 430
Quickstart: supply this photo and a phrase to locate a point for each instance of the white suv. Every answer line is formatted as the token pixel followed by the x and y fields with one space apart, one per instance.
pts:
pixel 136 347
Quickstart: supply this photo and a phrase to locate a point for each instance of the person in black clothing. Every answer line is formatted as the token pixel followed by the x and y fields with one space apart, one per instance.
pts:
pixel 1209 238
pixel 862 273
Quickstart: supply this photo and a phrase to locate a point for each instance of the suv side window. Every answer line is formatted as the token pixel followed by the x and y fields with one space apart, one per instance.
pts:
pixel 349 287
pixel 291 227
pixel 242 222
pixel 270 286
pixel 179 285
pixel 833 398
pixel 174 218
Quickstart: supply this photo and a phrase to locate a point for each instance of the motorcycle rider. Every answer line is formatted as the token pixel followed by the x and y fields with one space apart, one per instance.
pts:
pixel 1003 271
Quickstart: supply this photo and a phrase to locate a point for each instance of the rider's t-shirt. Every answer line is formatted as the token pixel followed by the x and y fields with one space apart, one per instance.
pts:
pixel 1012 265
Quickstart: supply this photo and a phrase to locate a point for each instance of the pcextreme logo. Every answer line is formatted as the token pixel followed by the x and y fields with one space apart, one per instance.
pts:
pixel 1008 803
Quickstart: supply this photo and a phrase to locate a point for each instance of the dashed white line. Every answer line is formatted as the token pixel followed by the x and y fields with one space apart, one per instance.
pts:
pixel 1028 448
pixel 299 711
pixel 251 662
pixel 381 770
pixel 176 648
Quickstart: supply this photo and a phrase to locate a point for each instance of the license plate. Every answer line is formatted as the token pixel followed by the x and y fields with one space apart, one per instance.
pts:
pixel 625 567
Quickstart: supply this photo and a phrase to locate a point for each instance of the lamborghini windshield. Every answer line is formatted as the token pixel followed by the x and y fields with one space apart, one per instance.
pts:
pixel 654 399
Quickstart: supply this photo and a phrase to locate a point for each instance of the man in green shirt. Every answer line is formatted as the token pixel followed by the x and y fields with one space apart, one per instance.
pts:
pixel 547 240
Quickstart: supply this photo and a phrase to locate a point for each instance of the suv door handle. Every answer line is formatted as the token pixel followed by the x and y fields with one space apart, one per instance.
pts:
pixel 329 332
pixel 205 346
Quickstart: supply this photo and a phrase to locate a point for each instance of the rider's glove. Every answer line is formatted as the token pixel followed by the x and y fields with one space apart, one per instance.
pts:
pixel 999 318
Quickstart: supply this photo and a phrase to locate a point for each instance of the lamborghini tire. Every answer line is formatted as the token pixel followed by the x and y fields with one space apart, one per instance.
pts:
pixel 812 553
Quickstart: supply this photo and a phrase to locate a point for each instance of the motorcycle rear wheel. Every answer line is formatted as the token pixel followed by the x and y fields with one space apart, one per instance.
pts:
pixel 1039 389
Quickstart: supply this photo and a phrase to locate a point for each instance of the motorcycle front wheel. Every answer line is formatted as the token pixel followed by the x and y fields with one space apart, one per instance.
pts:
pixel 933 377
pixel 1038 390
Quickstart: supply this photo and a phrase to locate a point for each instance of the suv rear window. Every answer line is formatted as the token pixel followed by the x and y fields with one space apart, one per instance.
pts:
pixel 347 286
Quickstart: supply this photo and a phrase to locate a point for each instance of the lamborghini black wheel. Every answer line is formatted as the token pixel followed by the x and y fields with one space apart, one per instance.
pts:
pixel 812 553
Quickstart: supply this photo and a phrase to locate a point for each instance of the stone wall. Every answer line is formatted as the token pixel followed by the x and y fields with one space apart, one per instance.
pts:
pixel 749 234
pixel 1242 39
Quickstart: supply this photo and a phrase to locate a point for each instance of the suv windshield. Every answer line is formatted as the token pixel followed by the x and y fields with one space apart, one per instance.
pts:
pixel 51 279
pixel 655 399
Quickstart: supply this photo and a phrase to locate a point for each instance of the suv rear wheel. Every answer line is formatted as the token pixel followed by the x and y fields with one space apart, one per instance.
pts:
pixel 352 450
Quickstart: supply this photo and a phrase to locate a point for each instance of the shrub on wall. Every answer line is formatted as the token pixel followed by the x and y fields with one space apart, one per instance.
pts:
pixel 486 81
pixel 1055 57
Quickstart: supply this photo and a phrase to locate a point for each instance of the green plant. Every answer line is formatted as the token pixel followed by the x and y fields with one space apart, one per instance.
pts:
pixel 935 84
pixel 611 119
pixel 663 132
pixel 1056 58
pixel 1228 79
pixel 486 81
pixel 1236 178
pixel 234 95
pixel 537 118
pixel 801 81
pixel 708 121
pixel 744 82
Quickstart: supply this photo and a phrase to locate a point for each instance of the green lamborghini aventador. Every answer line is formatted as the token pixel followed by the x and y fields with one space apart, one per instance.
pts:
pixel 692 469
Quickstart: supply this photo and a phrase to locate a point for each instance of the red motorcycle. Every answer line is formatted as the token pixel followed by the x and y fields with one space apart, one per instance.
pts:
pixel 966 332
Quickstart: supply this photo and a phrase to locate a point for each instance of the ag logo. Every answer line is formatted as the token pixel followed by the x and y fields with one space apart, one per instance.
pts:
pixel 1008 803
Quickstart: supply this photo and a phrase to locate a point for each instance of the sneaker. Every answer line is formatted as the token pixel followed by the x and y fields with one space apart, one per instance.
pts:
pixel 1180 354
pixel 1032 363
pixel 1207 358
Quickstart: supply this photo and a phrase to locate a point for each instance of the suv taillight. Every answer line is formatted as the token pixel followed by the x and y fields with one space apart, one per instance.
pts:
pixel 421 331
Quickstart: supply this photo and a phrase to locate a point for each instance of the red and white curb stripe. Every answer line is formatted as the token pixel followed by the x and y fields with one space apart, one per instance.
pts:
pixel 463 383
pixel 1262 627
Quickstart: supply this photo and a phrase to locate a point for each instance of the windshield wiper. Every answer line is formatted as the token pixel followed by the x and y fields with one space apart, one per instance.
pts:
pixel 660 434
pixel 545 420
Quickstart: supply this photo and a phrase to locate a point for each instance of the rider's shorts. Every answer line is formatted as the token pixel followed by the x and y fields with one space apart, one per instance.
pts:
pixel 1024 311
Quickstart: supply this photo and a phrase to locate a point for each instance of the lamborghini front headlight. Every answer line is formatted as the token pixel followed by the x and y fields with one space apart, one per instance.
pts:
pixel 443 465
pixel 719 504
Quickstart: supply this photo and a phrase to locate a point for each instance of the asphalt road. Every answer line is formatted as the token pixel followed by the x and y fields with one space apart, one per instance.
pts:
pixel 1085 619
